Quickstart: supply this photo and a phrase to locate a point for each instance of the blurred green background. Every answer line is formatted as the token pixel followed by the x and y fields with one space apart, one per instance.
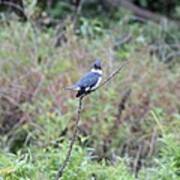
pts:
pixel 129 129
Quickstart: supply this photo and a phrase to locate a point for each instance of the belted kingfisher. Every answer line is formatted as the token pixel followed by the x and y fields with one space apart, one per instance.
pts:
pixel 89 82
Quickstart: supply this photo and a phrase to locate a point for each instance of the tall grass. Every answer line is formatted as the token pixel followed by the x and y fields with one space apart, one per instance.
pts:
pixel 118 139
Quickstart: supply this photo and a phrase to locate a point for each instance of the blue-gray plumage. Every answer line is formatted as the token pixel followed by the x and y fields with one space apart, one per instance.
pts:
pixel 90 81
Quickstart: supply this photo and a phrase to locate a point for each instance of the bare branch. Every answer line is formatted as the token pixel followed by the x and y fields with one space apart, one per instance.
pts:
pixel 112 75
pixel 153 142
pixel 144 14
pixel 64 164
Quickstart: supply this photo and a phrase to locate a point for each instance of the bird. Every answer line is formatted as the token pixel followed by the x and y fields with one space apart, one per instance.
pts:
pixel 90 81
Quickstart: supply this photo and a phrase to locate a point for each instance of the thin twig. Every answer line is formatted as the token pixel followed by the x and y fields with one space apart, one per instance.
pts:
pixel 64 164
pixel 152 143
pixel 112 75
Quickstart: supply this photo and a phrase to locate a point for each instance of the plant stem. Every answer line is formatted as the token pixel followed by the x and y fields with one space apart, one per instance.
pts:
pixel 75 133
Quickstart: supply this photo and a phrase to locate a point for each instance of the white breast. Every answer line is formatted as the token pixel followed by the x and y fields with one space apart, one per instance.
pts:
pixel 97 84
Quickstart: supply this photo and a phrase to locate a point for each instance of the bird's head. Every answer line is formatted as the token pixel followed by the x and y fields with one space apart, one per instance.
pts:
pixel 97 64
pixel 97 67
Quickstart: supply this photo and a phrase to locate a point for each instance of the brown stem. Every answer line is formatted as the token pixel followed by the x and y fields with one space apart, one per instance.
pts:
pixel 65 163
pixel 112 75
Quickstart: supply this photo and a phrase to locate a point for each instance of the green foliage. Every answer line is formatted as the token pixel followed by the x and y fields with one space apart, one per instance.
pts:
pixel 37 115
pixel 166 165
pixel 43 163
pixel 90 28
pixel 60 9
pixel 16 166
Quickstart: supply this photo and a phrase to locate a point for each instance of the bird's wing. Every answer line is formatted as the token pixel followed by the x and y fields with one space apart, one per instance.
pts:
pixel 88 80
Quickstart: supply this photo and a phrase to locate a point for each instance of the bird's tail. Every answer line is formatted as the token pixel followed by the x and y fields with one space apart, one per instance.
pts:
pixel 72 88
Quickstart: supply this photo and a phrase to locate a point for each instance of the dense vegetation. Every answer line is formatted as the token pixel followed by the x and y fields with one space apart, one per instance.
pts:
pixel 129 128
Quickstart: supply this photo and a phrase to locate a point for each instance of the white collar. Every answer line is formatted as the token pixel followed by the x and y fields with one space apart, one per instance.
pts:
pixel 98 71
